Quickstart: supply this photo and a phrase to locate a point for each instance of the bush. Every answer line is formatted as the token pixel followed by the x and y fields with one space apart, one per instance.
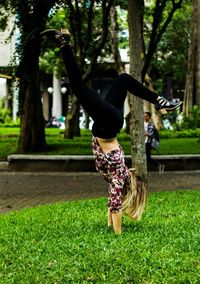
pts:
pixel 5 115
pixel 191 122
pixel 180 133
pixel 10 123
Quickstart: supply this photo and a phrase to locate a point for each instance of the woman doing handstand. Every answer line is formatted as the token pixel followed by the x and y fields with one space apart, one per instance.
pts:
pixel 127 191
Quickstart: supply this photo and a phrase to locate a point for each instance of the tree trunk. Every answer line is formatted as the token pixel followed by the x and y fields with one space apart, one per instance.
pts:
pixel 87 120
pixel 135 17
pixel 72 120
pixel 31 20
pixel 114 40
pixel 192 89
pixel 32 133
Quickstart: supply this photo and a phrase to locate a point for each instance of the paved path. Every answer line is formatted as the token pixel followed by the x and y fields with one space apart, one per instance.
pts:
pixel 19 190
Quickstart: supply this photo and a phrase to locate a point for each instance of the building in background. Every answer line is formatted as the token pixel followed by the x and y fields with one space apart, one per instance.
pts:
pixel 7 52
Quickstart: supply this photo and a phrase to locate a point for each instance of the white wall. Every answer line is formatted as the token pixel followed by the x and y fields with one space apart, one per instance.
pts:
pixel 7 49
pixel 2 87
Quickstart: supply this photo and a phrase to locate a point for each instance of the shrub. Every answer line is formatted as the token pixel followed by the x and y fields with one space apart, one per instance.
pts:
pixel 180 133
pixel 5 115
pixel 190 122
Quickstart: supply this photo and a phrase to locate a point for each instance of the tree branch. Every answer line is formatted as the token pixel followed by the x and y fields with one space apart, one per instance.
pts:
pixel 114 41
pixel 158 32
pixel 78 21
pixel 106 6
pixel 89 27
pixel 72 20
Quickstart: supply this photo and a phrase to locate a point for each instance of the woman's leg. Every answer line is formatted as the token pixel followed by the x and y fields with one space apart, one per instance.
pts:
pixel 99 109
pixel 107 114
pixel 116 95
pixel 125 82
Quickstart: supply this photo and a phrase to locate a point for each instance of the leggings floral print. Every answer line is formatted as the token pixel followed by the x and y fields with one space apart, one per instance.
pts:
pixel 112 166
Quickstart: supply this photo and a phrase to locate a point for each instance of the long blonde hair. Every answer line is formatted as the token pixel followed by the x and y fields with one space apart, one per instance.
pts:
pixel 134 197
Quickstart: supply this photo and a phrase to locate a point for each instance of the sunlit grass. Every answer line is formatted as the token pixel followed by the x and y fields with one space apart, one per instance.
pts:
pixel 70 243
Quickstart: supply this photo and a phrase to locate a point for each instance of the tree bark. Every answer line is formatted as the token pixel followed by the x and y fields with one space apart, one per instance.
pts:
pixel 135 18
pixel 32 133
pixel 192 88
pixel 72 120
pixel 31 21
pixel 114 40
pixel 87 120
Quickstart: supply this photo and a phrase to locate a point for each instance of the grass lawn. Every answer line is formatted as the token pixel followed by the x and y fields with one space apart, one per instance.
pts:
pixel 82 145
pixel 70 243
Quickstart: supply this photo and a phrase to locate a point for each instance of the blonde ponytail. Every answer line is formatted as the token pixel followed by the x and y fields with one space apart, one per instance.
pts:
pixel 135 200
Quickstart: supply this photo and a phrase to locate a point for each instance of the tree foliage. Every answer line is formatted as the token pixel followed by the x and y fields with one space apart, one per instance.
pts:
pixel 163 12
pixel 30 19
pixel 170 58
pixel 88 22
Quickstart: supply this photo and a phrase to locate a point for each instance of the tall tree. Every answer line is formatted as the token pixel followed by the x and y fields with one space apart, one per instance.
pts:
pixel 135 20
pixel 192 89
pixel 30 18
pixel 139 69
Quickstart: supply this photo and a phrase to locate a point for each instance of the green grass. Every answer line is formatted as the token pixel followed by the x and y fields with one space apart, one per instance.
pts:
pixel 82 145
pixel 177 146
pixel 70 243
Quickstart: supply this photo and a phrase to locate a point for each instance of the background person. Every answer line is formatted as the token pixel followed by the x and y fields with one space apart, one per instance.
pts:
pixel 149 129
